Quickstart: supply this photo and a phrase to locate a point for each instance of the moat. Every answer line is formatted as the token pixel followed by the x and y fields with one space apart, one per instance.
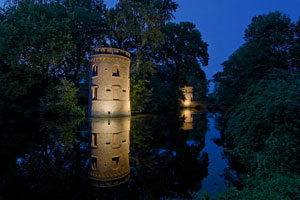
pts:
pixel 137 157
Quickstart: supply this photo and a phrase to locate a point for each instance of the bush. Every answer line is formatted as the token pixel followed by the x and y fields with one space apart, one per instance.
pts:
pixel 264 129
pixel 61 100
pixel 276 187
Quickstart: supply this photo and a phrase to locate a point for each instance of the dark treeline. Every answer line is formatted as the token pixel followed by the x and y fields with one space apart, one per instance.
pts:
pixel 260 90
pixel 44 49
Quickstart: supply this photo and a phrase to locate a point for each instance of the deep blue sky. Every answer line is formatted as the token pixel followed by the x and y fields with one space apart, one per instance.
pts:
pixel 222 22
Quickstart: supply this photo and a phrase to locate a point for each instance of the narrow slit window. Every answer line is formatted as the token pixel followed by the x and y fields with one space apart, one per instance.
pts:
pixel 95 93
pixel 94 140
pixel 94 163
pixel 95 71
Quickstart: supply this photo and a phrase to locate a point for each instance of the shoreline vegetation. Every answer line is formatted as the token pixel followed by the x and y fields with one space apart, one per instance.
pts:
pixel 260 87
pixel 44 71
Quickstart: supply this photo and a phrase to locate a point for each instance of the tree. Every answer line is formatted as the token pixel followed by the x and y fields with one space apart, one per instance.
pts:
pixel 269 39
pixel 61 100
pixel 260 89
pixel 87 29
pixel 266 122
pixel 34 40
pixel 183 52
pixel 261 136
pixel 135 26
pixel 43 41
pixel 295 49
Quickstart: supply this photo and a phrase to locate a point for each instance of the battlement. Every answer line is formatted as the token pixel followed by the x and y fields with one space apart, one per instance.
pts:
pixel 187 89
pixel 112 51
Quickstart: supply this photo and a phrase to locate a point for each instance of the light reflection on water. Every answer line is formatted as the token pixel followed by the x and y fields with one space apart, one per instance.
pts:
pixel 214 183
pixel 139 157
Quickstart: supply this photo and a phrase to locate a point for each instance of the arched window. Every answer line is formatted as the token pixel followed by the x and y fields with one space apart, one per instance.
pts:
pixel 95 71
pixel 115 71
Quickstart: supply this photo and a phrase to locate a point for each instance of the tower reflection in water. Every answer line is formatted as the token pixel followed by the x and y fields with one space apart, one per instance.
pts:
pixel 188 116
pixel 109 161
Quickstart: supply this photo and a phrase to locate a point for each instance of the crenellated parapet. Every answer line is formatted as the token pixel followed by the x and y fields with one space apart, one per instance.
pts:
pixel 111 51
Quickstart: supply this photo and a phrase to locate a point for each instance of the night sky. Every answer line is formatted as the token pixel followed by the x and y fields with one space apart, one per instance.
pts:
pixel 222 22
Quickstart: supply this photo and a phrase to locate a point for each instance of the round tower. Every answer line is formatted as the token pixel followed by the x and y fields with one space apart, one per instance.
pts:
pixel 109 83
pixel 188 95
pixel 109 162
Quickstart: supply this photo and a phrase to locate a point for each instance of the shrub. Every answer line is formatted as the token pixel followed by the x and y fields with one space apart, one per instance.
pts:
pixel 61 100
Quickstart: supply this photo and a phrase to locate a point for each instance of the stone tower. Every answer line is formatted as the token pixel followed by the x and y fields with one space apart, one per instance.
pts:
pixel 188 95
pixel 109 83
pixel 109 161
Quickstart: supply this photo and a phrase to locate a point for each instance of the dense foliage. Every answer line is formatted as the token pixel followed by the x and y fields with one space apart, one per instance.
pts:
pixel 61 100
pixel 264 186
pixel 166 56
pixel 271 43
pixel 260 90
pixel 42 42
pixel 269 118
pixel 262 135
pixel 183 52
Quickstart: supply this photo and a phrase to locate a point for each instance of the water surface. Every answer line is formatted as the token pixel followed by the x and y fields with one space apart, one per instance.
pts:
pixel 140 157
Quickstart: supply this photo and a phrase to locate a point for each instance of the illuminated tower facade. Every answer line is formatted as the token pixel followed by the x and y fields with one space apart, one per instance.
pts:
pixel 109 83
pixel 188 95
pixel 109 161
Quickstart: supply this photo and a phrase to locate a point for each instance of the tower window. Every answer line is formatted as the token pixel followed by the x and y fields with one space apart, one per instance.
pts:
pixel 95 93
pixel 94 163
pixel 115 71
pixel 115 162
pixel 94 140
pixel 95 71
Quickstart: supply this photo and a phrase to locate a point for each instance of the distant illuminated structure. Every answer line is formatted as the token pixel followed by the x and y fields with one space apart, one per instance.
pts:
pixel 110 83
pixel 188 95
pixel 188 119
pixel 109 162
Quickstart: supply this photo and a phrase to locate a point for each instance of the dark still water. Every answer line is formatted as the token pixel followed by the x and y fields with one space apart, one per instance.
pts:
pixel 140 157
